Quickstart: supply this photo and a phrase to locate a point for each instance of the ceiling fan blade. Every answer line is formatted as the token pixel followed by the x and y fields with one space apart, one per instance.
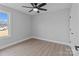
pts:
pixel 27 7
pixel 42 9
pixel 32 4
pixel 41 5
pixel 35 3
pixel 31 10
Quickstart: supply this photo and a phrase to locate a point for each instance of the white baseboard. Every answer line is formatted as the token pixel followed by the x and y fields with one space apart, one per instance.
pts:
pixel 13 43
pixel 52 41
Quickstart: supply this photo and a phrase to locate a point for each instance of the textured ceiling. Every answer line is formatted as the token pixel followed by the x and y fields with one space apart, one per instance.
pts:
pixel 51 7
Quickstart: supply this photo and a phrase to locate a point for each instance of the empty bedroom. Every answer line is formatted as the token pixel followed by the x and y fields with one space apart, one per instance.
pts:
pixel 39 29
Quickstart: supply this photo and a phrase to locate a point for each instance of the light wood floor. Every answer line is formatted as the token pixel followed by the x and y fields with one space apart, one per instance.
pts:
pixel 35 47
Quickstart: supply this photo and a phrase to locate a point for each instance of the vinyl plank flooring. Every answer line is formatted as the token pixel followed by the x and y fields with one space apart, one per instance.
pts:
pixel 35 47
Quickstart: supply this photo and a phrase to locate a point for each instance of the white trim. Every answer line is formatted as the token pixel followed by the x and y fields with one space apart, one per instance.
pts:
pixel 40 38
pixel 9 24
pixel 13 43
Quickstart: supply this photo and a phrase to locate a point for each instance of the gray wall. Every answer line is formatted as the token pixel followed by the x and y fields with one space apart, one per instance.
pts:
pixel 20 26
pixel 52 26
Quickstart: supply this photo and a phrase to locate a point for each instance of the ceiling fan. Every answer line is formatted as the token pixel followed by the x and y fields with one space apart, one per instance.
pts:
pixel 36 7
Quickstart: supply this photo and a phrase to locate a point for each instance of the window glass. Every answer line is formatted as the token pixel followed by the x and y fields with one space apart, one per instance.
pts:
pixel 4 18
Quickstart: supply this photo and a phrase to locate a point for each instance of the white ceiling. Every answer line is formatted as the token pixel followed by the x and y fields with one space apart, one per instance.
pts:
pixel 51 7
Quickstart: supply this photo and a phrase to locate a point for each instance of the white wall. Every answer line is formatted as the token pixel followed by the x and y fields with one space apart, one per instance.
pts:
pixel 20 26
pixel 52 26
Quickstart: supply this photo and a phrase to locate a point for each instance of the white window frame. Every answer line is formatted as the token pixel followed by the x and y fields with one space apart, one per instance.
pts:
pixel 9 24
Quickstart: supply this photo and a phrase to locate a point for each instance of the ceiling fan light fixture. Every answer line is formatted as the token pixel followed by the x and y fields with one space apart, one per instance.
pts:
pixel 35 9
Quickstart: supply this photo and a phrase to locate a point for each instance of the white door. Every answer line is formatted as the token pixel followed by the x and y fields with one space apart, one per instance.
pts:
pixel 74 25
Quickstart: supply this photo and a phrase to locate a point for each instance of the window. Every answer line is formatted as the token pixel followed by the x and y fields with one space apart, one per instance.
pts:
pixel 4 18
